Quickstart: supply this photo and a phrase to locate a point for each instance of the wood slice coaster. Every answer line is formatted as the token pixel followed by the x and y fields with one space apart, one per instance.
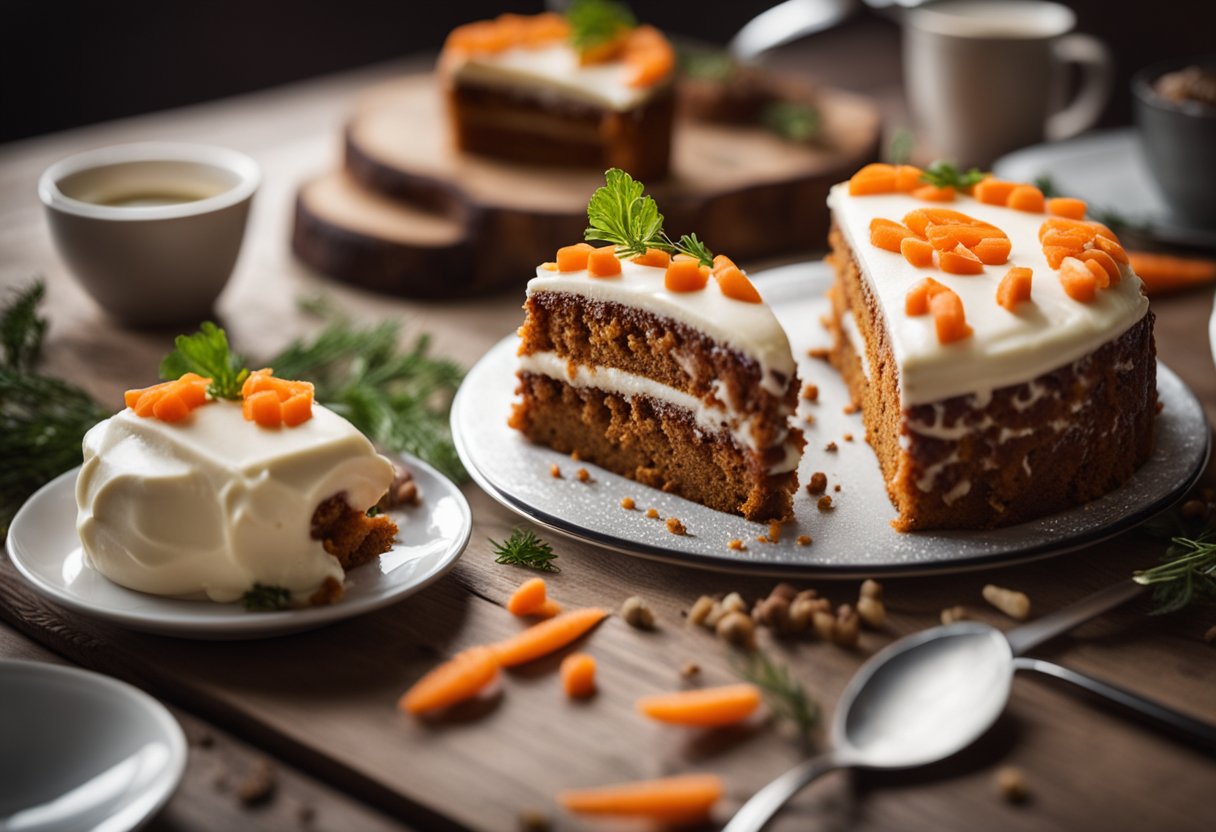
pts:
pixel 457 223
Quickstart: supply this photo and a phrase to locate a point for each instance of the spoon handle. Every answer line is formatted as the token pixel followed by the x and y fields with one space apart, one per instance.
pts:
pixel 1049 626
pixel 760 809
pixel 1189 728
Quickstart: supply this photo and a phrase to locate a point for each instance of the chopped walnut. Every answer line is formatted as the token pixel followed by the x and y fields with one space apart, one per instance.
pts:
pixel 848 626
pixel 737 628
pixel 1014 604
pixel 836 488
pixel 763 539
pixel 818 483
pixel 1012 784
pixel 628 504
pixel 773 612
pixel 574 456
pixel 701 609
pixel 636 614
pixel 809 418
pixel 675 526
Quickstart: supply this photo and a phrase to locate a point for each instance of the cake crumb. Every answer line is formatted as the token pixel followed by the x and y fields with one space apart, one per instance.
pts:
pixel 825 503
pixel 307 815
pixel 819 353
pixel 849 409
pixel 637 614
pixel 1011 784
pixel 555 471
pixel 810 419
pixel 818 483
pixel 738 629
pixel 836 488
pixel 701 609
pixel 831 447
pixel 652 514
pixel 690 669
pixel 258 787
pixel 774 531
pixel 955 613
pixel 763 539
pixel 736 544
pixel 848 437
pixel 1014 604
pixel 534 820
pixel 574 456
pixel 627 503
pixel 803 540
pixel 583 475
pixel 675 526
pixel 811 393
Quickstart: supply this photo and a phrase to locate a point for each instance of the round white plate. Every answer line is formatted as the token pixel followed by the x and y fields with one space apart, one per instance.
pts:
pixel 43 545
pixel 856 537
pixel 82 751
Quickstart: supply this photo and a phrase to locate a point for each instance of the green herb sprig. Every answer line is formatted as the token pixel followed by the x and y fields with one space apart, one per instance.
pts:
pixel 1186 575
pixel 263 598
pixel 596 22
pixel 620 213
pixel 206 352
pixel 524 548
pixel 900 147
pixel 942 174
pixel 791 120
pixel 785 695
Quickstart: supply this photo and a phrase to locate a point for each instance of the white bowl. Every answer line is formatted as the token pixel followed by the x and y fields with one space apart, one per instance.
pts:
pixel 151 264
pixel 82 751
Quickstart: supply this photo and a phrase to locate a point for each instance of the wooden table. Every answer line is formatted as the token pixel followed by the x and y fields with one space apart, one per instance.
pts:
pixel 322 703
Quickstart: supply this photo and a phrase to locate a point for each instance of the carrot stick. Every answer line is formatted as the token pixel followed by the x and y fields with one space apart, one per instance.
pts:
pixel 578 675
pixel 546 637
pixel 528 597
pixel 682 798
pixel 1163 273
pixel 461 677
pixel 707 707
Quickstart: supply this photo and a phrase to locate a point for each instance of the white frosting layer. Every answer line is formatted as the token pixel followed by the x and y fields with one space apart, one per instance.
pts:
pixel 1051 331
pixel 554 68
pixel 749 328
pixel 214 504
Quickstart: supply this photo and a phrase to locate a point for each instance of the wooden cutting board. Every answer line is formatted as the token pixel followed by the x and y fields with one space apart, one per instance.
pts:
pixel 410 215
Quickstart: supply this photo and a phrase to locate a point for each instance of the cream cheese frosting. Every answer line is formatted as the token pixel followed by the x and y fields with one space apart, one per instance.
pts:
pixel 1006 348
pixel 213 504
pixel 554 68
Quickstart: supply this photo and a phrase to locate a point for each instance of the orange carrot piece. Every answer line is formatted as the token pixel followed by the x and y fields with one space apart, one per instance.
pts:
pixel 917 252
pixel 1065 206
pixel 872 179
pixel 907 178
pixel 1055 254
pixel 548 609
pixel 1074 238
pixel 578 675
pixel 573 258
pixel 549 267
pixel 1102 231
pixel 1101 278
pixel 721 261
pixel 993 251
pixel 993 191
pixel 603 262
pixel 683 798
pixel 917 300
pixel 265 408
pixel 655 257
pixel 546 637
pixel 959 261
pixel 1108 264
pixel 948 317
pixel 1065 224
pixel 734 284
pixel 527 597
pixel 1167 273
pixel 297 410
pixel 1111 247
pixel 170 407
pixel 932 193
pixel 917 221
pixel 1014 288
pixel 459 678
pixel 131 397
pixel 685 276
pixel 1078 281
pixel 148 399
pixel 704 707
pixel 1026 198
pixel 887 234
pixel 946 237
pixel 193 393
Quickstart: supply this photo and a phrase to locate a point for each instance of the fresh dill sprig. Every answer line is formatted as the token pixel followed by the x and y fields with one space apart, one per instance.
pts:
pixel 620 213
pixel 791 120
pixel 263 598
pixel 524 548
pixel 689 244
pixel 943 174
pixel 206 352
pixel 785 695
pixel 22 329
pixel 900 147
pixel 597 22
pixel 1187 574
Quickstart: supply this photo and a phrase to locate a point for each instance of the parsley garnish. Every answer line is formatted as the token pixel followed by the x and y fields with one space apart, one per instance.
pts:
pixel 784 694
pixel 263 598
pixel 524 548
pixel 206 352
pixel 791 121
pixel 619 213
pixel 596 22
pixel 945 175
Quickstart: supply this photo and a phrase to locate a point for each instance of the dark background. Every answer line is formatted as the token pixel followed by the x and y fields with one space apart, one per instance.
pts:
pixel 64 64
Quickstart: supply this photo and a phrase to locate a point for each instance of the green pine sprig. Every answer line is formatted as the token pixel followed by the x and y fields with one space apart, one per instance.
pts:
pixel 524 548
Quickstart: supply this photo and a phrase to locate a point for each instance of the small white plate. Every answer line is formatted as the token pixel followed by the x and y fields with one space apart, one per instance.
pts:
pixel 43 545
pixel 853 539
pixel 82 751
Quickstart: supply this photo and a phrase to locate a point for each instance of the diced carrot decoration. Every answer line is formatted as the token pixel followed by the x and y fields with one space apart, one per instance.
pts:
pixel 578 675
pixel 721 261
pixel 948 317
pixel 1078 281
pixel 1103 231
pixel 1111 247
pixel 293 400
pixel 1074 238
pixel 266 409
pixel 1064 206
pixel 873 179
pixel 887 234
pixel 917 300
pixel 1108 264
pixel 946 237
pixel 1164 273
pixel 573 258
pixel 147 401
pixel 704 707
pixel 1014 288
pixel 528 597
pixel 993 191
pixel 462 677
pixel 932 193
pixel 193 393
pixel 603 262
pixel 549 267
pixel 654 257
pixel 917 252
pixel 1026 198
pixel 918 221
pixel 959 261
pixel 650 55
pixel 907 178
pixel 993 251
pixel 297 410
pixel 735 285
pixel 131 397
pixel 170 407
pixel 1055 254
pixel 546 637
pixel 685 798
pixel 685 275
pixel 1065 224
pixel 1101 278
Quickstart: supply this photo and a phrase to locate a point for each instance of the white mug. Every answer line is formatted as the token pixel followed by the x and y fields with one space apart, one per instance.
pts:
pixel 985 77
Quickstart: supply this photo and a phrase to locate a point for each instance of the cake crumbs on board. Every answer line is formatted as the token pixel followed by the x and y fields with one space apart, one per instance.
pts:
pixel 628 504
pixel 555 471
pixel 653 514
pixel 583 475
pixel 676 527
pixel 818 483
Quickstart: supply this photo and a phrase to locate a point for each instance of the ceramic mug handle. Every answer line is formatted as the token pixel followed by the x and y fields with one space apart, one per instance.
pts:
pixel 1097 82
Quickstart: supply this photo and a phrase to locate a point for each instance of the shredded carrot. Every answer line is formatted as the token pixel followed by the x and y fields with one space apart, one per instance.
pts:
pixel 888 234
pixel 993 191
pixel 949 319
pixel 907 178
pixel 1026 198
pixel 917 300
pixel 528 597
pixel 578 675
pixel 917 252
pixel 1063 206
pixel 1078 281
pixel 685 276
pixel 461 677
pixel 1014 288
pixel 655 257
pixel 603 262
pixel 734 284
pixel 680 799
pixel 547 636
pixel 932 193
pixel 993 251
pixel 704 707
pixel 573 258
pixel 876 178
pixel 959 261
pixel 1163 273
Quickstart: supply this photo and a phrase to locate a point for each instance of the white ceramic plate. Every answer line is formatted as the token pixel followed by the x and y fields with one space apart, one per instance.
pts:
pixel 82 751
pixel 853 539
pixel 43 545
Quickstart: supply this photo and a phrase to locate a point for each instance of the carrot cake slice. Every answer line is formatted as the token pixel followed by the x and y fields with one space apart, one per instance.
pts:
pixel 589 88
pixel 669 370
pixel 998 343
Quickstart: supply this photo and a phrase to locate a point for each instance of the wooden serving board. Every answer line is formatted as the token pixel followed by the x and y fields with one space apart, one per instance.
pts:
pixel 412 216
